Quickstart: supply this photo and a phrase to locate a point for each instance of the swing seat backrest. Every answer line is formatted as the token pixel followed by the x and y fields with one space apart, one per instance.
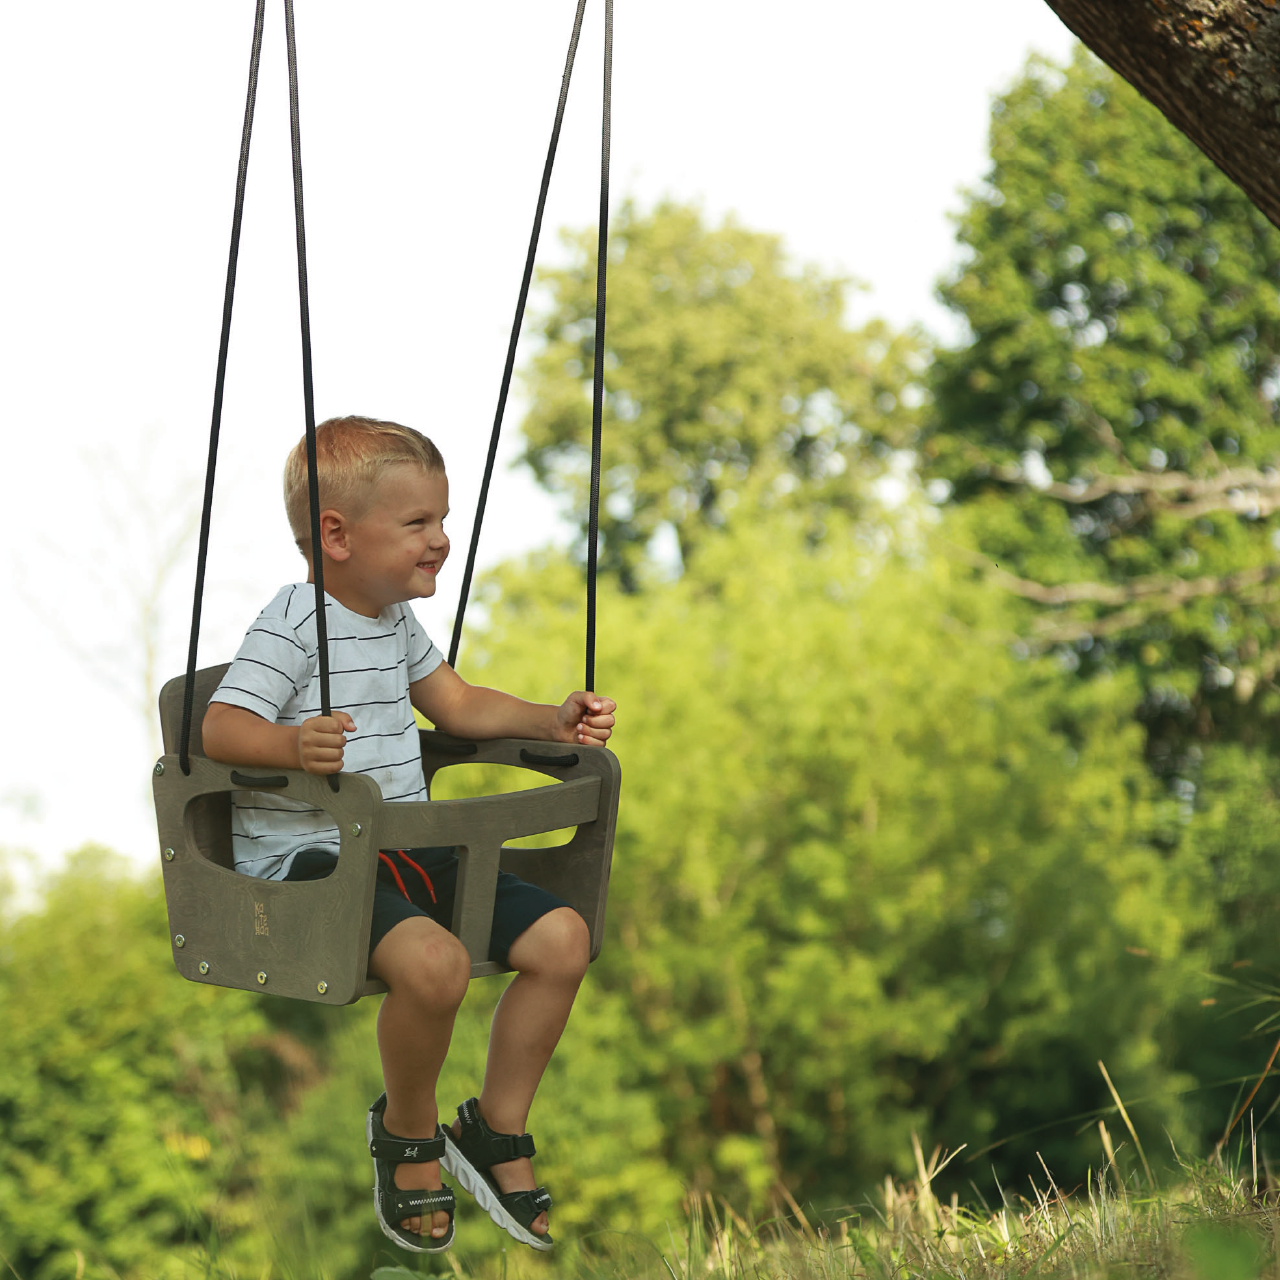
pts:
pixel 310 939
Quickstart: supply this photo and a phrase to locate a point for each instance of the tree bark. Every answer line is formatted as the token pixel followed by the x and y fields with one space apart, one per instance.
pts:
pixel 1211 66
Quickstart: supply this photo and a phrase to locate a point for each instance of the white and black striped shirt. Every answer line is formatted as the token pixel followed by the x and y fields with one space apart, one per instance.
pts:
pixel 372 662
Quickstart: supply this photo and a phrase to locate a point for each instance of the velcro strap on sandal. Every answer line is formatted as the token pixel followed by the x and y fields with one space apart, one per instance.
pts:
pixel 398 1204
pixel 524 1206
pixel 498 1148
pixel 405 1150
pixel 510 1146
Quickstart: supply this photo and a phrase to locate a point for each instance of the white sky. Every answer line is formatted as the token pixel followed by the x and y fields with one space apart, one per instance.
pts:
pixel 846 127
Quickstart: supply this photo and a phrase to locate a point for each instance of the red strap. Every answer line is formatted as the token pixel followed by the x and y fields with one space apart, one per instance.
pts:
pixel 430 887
pixel 382 857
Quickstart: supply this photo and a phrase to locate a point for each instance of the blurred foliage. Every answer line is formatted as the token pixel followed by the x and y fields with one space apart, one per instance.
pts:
pixel 1122 298
pixel 886 865
pixel 730 378
pixel 874 872
pixel 122 1106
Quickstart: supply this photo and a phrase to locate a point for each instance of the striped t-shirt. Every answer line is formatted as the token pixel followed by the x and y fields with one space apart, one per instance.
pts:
pixel 372 662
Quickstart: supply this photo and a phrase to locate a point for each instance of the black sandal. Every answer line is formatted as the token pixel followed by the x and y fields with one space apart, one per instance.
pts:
pixel 393 1204
pixel 471 1155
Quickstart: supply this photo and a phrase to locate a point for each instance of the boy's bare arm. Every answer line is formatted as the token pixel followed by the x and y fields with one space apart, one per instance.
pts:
pixel 234 735
pixel 470 711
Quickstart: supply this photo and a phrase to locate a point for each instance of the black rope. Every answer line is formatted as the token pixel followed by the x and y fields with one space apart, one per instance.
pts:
pixel 597 388
pixel 188 696
pixel 308 394
pixel 515 334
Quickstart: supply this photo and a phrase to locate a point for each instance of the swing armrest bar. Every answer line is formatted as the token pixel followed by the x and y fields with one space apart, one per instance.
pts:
pixel 513 813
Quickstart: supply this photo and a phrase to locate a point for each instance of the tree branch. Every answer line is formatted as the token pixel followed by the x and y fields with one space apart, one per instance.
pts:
pixel 1252 487
pixel 1209 66
pixel 1158 593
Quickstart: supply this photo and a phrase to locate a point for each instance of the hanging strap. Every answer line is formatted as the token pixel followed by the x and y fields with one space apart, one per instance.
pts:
pixel 308 393
pixel 597 388
pixel 515 333
pixel 597 402
pixel 317 556
pixel 188 694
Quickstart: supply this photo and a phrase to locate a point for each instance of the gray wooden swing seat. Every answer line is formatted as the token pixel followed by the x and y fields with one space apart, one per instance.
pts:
pixel 310 939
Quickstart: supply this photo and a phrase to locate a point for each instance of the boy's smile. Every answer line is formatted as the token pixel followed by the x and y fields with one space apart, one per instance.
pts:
pixel 394 551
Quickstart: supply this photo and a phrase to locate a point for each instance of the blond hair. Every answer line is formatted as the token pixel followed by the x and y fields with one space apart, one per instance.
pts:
pixel 351 453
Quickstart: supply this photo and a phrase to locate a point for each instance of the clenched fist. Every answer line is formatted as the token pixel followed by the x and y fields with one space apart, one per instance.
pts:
pixel 320 742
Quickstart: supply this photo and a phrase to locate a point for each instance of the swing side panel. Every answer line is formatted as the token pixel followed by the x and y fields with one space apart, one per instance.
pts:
pixel 301 936
pixel 241 926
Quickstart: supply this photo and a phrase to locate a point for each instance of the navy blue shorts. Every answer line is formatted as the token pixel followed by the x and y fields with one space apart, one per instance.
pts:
pixel 422 882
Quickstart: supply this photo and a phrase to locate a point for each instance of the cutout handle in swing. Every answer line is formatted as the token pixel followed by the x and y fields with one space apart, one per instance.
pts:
pixel 252 783
pixel 535 757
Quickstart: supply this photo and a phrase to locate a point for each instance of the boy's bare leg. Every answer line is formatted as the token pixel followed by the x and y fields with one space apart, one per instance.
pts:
pixel 550 958
pixel 426 970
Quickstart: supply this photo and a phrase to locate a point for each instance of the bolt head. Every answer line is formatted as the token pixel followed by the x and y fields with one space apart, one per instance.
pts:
pixel 159 767
pixel 322 987
pixel 204 966
pixel 168 855
pixel 179 941
pixel 356 828
pixel 262 978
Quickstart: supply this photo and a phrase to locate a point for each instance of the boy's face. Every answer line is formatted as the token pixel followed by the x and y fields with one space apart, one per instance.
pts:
pixel 399 545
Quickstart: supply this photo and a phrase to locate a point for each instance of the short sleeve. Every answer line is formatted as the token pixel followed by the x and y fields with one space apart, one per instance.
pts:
pixel 424 657
pixel 270 668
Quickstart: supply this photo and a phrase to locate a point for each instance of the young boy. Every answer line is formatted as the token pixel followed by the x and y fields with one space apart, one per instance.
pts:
pixel 383 498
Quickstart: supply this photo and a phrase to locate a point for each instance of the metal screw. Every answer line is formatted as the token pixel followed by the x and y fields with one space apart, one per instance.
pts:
pixel 356 828
pixel 204 966
pixel 262 978
pixel 322 987
pixel 159 767
pixel 179 941
pixel 168 855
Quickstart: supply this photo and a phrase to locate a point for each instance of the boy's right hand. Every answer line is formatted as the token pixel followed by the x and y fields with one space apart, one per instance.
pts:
pixel 320 742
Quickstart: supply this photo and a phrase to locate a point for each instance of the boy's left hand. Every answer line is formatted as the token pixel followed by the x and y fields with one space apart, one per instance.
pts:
pixel 586 718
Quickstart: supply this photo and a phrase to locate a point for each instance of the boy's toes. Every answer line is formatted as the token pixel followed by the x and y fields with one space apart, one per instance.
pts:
pixel 539 1225
pixel 439 1225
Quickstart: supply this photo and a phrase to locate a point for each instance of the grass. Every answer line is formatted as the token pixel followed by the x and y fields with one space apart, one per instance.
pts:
pixel 1220 1222
pixel 1214 1227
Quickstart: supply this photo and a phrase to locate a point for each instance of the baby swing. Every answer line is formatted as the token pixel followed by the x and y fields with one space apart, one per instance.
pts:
pixel 309 940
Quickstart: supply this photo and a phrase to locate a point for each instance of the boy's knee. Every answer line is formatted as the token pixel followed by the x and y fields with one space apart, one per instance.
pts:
pixel 438 974
pixel 561 944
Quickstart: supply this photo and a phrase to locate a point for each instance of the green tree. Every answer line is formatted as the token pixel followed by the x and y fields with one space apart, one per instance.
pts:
pixel 1112 426
pixel 873 873
pixel 731 377
pixel 121 1107
pixel 1109 438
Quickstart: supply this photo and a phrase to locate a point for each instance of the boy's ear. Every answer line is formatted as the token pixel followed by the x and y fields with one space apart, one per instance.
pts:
pixel 333 535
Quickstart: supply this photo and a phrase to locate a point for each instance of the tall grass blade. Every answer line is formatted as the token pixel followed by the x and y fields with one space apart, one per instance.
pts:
pixel 1124 1115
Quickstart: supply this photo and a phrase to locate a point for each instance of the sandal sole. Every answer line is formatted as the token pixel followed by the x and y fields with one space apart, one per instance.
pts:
pixel 397 1234
pixel 457 1166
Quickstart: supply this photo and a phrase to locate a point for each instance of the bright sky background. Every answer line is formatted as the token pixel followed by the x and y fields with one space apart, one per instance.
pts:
pixel 847 127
